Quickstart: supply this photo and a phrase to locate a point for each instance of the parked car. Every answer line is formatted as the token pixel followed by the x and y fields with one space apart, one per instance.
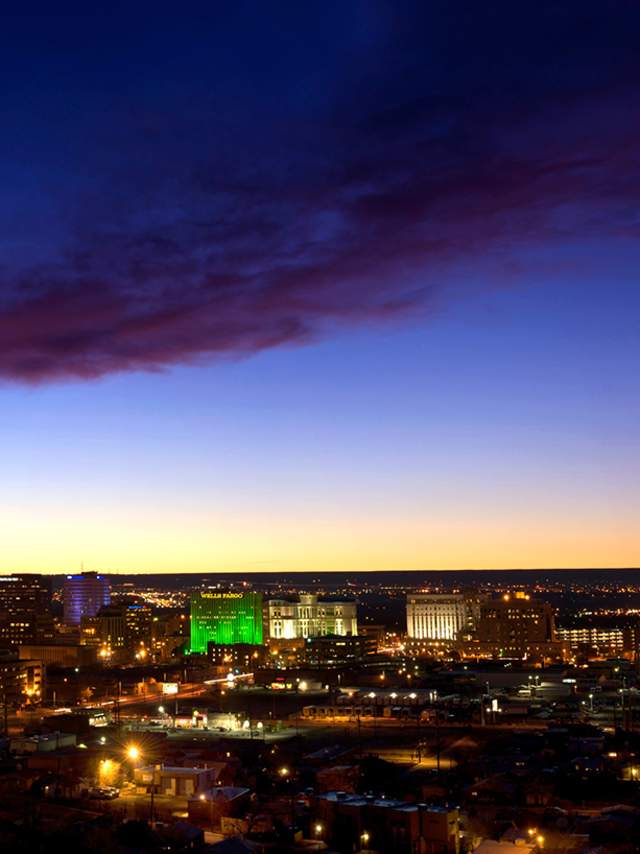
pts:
pixel 104 793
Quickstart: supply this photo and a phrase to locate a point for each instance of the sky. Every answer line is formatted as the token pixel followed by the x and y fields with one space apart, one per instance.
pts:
pixel 338 286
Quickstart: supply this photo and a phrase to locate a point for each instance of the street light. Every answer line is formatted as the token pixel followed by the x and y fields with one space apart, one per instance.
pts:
pixel 284 771
pixel 318 829
pixel 108 772
pixel 365 838
pixel 133 752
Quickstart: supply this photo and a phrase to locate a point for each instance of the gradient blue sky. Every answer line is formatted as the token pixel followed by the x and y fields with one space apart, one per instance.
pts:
pixel 348 286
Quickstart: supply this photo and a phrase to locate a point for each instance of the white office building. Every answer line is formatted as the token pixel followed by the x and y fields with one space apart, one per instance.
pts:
pixel 310 617
pixel 437 616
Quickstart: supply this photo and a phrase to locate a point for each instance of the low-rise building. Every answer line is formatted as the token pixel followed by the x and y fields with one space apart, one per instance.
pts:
pixel 64 655
pixel 208 808
pixel 21 680
pixel 350 822
pixel 45 743
pixel 181 782
pixel 244 656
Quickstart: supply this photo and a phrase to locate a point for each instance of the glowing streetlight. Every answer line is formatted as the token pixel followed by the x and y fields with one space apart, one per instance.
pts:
pixel 284 771
pixel 540 840
pixel 133 752
pixel 318 829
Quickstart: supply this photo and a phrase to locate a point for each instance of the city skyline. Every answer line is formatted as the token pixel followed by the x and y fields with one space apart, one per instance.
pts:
pixel 328 289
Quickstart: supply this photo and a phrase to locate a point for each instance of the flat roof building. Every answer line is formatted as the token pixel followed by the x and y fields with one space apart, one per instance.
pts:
pixel 310 617
pixel 517 626
pixel 437 616
pixel 349 822
pixel 83 595
pixel 25 609
pixel 225 618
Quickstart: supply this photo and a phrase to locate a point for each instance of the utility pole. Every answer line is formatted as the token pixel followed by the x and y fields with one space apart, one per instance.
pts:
pixel 153 791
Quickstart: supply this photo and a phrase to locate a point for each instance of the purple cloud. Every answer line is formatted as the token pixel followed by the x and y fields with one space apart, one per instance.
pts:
pixel 185 250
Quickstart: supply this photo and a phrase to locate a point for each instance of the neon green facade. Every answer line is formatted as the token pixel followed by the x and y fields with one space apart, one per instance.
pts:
pixel 225 618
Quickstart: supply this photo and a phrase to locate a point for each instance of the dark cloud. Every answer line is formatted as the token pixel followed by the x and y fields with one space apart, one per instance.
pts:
pixel 192 235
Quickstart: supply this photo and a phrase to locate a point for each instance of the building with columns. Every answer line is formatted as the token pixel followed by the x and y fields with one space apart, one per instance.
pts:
pixel 438 616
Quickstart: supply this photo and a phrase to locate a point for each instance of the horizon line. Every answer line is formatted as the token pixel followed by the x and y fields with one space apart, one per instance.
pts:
pixel 324 571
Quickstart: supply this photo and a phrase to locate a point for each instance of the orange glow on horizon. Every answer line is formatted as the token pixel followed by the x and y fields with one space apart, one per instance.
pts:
pixel 158 542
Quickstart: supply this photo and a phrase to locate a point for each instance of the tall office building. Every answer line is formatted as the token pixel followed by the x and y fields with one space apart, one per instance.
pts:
pixel 310 617
pixel 83 595
pixel 25 609
pixel 517 626
pixel 225 618
pixel 119 625
pixel 439 616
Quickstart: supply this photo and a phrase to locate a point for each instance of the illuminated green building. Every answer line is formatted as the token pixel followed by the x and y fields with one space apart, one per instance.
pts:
pixel 225 618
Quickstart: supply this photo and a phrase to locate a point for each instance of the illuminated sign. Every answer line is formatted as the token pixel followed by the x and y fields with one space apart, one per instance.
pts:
pixel 222 595
pixel 169 687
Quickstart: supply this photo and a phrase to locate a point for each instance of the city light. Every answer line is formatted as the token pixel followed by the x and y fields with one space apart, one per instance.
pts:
pixel 133 752
pixel 108 771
